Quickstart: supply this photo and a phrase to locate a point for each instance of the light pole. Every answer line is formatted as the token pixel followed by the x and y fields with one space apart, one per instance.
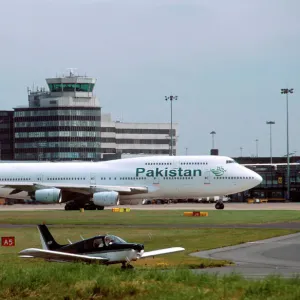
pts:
pixel 256 141
pixel 287 92
pixel 213 139
pixel 186 151
pixel 241 148
pixel 1 121
pixel 171 98
pixel 270 123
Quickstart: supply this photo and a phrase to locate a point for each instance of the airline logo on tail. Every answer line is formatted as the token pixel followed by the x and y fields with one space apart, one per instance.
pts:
pixel 157 172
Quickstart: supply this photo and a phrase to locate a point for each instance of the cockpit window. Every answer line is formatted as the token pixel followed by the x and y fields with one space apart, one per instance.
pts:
pixel 113 239
pixel 230 161
pixel 98 243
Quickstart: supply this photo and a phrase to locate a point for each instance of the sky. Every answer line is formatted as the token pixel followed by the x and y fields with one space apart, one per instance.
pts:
pixel 225 60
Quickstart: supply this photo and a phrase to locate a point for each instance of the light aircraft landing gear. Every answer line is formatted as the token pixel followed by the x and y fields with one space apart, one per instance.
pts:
pixel 219 205
pixel 126 266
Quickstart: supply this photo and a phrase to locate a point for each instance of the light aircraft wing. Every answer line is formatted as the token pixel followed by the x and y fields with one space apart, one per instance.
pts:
pixel 162 251
pixel 58 256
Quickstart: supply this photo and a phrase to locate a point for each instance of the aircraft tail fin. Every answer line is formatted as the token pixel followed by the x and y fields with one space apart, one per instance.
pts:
pixel 47 240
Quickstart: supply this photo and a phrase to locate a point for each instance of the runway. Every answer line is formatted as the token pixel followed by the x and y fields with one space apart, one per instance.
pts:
pixel 179 206
pixel 275 256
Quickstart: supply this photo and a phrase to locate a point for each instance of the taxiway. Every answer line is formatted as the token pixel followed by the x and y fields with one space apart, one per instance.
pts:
pixel 179 206
pixel 275 256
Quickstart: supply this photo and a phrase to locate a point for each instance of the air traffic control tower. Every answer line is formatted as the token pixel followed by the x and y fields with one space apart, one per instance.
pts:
pixel 60 124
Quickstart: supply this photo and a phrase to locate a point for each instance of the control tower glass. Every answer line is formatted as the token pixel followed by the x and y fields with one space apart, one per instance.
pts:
pixel 71 87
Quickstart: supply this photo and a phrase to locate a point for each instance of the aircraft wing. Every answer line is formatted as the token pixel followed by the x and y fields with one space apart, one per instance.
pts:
pixel 59 256
pixel 81 188
pixel 162 251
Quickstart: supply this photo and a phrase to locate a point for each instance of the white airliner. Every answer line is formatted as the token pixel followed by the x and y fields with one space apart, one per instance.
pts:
pixel 127 181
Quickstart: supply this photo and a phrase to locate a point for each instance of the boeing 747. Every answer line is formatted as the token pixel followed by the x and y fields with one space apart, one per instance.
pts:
pixel 127 181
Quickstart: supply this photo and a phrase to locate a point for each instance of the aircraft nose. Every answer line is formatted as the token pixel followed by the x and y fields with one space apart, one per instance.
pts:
pixel 256 178
pixel 138 247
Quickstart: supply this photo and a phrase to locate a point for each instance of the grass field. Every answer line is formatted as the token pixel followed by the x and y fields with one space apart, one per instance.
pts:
pixel 145 217
pixel 193 240
pixel 36 279
pixel 70 281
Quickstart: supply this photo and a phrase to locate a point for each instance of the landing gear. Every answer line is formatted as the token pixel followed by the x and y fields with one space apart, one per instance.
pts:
pixel 76 205
pixel 219 205
pixel 91 206
pixel 126 266
pixel 72 205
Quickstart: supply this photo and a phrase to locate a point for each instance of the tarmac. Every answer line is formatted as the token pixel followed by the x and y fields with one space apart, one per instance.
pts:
pixel 275 256
pixel 178 206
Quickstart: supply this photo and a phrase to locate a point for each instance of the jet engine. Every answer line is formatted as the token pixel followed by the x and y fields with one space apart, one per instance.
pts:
pixel 48 195
pixel 106 198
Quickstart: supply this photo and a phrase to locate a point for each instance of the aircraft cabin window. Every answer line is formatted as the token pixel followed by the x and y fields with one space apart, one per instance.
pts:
pixel 98 243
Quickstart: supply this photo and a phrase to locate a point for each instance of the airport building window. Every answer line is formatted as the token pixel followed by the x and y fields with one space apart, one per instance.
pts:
pixel 142 141
pixel 57 134
pixel 71 87
pixel 71 125
pixel 143 131
pixel 57 111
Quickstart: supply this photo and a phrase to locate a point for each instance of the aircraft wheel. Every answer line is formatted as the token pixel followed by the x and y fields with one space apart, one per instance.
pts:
pixel 130 266
pixel 68 206
pixel 99 207
pixel 89 206
pixel 71 205
pixel 126 266
pixel 219 205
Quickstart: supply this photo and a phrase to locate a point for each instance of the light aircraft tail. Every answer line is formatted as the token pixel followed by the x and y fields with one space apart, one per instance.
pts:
pixel 47 240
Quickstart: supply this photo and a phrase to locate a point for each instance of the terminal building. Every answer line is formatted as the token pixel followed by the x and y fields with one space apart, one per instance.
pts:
pixel 274 184
pixel 64 123
pixel 127 139
pixel 60 124
pixel 6 135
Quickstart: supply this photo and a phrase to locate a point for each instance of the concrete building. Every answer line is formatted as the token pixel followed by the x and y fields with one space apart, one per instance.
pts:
pixel 60 124
pixel 136 139
pixel 6 135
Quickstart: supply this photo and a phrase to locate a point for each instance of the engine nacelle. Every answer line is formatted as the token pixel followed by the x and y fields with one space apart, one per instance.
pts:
pixel 48 195
pixel 106 198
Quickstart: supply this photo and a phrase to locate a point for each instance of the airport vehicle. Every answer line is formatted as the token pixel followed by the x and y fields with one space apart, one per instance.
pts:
pixel 103 249
pixel 128 180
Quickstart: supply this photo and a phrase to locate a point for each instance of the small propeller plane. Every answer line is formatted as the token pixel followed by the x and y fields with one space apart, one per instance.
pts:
pixel 103 249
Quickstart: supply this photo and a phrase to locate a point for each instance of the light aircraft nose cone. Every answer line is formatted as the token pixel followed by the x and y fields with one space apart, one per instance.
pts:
pixel 138 247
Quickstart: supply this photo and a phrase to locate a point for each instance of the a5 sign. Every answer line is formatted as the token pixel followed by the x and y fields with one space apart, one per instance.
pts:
pixel 8 241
